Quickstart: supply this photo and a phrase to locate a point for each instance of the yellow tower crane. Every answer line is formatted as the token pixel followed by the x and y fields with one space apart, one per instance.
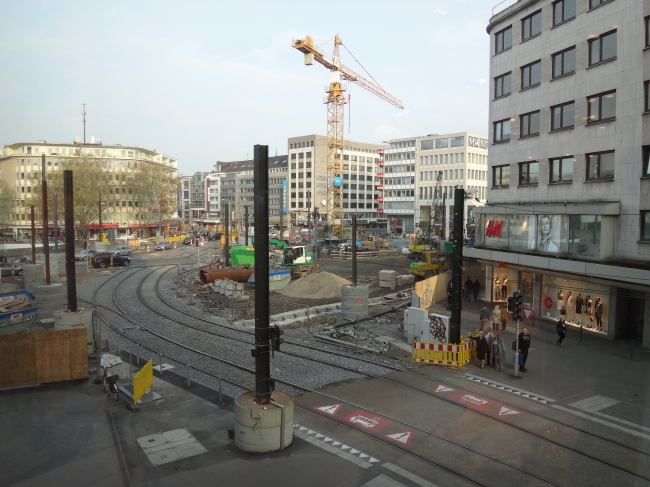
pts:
pixel 335 117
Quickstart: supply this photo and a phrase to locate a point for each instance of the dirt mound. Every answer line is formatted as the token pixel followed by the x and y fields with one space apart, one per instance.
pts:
pixel 322 285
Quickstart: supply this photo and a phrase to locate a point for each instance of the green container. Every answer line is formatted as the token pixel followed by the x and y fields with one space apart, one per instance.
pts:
pixel 242 255
pixel 449 247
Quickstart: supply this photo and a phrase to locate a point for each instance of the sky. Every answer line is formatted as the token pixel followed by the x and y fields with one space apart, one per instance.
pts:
pixel 206 81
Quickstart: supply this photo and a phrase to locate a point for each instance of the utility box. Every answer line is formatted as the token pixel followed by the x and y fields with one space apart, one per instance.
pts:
pixel 411 317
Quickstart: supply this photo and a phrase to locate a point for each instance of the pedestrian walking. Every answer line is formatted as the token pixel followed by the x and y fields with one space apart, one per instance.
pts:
pixel 489 338
pixel 496 317
pixel 468 290
pixel 498 351
pixel 598 311
pixel 476 288
pixel 505 317
pixel 561 330
pixel 523 345
pixel 481 348
pixel 484 316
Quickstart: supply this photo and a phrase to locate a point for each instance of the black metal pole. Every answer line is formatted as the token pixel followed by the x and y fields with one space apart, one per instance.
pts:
pixel 246 229
pixel 443 233
pixel 56 225
pixel 31 211
pixel 281 223
pixel 71 278
pixel 46 226
pixel 457 274
pixel 354 249
pixel 261 209
pixel 226 249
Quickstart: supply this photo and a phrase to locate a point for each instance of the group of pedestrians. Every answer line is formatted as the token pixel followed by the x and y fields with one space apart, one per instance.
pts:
pixel 490 348
pixel 471 289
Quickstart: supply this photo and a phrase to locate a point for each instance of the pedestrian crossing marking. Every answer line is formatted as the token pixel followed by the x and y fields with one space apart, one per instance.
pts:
pixel 330 409
pixel 404 437
pixel 318 435
pixel 506 411
pixel 354 451
pixel 373 460
pixel 442 388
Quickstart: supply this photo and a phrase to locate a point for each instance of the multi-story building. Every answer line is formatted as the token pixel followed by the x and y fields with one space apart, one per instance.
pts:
pixel 185 213
pixel 308 181
pixel 569 208
pixel 198 196
pixel 20 165
pixel 412 186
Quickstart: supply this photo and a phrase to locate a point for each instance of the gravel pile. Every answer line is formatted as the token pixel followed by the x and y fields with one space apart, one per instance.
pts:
pixel 320 285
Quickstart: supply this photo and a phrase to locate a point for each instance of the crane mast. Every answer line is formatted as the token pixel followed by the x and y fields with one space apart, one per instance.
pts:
pixel 335 101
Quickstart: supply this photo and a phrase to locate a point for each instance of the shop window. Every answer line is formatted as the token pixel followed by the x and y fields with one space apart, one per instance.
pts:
pixel 562 116
pixel 528 173
pixel 600 166
pixel 503 40
pixel 561 170
pixel 501 176
pixel 531 26
pixel 584 235
pixel 564 62
pixel 502 131
pixel 531 75
pixel 602 48
pixel 529 124
pixel 563 10
pixel 601 107
pixel 645 226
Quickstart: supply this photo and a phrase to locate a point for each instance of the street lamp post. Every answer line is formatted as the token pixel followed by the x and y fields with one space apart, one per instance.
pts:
pixel 100 215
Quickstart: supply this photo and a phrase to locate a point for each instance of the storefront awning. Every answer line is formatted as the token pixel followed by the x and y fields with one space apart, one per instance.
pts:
pixel 608 208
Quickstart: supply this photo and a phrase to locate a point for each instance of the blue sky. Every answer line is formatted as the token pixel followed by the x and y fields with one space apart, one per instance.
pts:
pixel 205 81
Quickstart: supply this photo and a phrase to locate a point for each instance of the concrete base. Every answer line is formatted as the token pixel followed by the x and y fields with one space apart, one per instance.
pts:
pixel 257 427
pixel 49 299
pixel 65 319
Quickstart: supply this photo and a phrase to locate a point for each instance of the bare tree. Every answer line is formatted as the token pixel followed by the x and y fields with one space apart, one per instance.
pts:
pixel 7 194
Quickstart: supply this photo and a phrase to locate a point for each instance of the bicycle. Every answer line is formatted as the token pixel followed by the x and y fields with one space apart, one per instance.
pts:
pixel 110 384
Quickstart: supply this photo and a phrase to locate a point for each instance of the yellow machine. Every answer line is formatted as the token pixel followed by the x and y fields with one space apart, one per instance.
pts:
pixel 335 115
pixel 429 264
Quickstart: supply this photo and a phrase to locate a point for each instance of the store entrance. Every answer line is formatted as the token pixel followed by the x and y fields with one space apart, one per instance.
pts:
pixel 629 316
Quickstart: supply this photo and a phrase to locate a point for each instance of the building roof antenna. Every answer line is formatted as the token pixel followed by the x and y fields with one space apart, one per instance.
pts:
pixel 83 118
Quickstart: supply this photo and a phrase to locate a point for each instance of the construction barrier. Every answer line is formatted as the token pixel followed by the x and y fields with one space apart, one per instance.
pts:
pixel 444 354
pixel 142 381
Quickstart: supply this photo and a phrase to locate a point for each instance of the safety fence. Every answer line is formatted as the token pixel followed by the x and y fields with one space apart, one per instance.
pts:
pixel 363 255
pixel 443 354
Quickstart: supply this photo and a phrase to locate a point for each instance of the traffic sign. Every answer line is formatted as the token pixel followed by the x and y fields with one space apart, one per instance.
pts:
pixel 528 312
pixel 329 409
pixel 404 437
pixel 442 388
pixel 504 411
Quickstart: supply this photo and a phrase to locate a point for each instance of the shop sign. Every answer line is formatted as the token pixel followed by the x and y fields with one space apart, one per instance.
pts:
pixel 502 265
pixel 494 228
pixel 548 302
pixel 475 142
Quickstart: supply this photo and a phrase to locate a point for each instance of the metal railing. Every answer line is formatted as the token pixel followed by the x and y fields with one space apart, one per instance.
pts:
pixel 504 5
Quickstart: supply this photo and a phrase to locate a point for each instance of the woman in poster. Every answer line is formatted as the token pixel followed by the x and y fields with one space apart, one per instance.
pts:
pixel 544 232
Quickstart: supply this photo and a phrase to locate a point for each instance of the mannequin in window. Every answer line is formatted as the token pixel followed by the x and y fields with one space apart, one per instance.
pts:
pixel 589 317
pixel 579 303
pixel 560 300
pixel 497 288
pixel 504 288
pixel 598 311
pixel 570 310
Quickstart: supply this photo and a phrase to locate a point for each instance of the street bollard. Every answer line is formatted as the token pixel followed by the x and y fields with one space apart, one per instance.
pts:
pixel 188 375
pixel 160 361
pixel 580 333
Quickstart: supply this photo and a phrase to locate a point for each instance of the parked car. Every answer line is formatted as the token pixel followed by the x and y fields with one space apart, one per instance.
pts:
pixel 8 269
pixel 122 250
pixel 163 246
pixel 84 254
pixel 187 241
pixel 103 259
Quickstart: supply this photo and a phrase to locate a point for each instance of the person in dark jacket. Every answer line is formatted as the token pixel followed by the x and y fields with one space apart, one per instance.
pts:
pixel 523 346
pixel 561 330
pixel 579 303
pixel 468 290
pixel 476 288
pixel 481 348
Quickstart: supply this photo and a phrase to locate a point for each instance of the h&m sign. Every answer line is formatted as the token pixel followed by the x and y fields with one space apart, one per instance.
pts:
pixel 493 228
pixel 476 142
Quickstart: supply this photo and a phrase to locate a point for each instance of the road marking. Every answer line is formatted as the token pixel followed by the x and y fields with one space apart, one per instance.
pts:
pixel 383 481
pixel 336 447
pixel 442 388
pixel 594 403
pixel 329 409
pixel 508 388
pixel 622 421
pixel 602 421
pixel 408 475
pixel 366 420
pixel 504 411
pixel 404 437
pixel 471 400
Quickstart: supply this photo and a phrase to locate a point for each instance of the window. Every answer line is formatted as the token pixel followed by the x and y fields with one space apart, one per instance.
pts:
pixel 601 107
pixel 564 62
pixel 597 3
pixel 528 173
pixel 502 131
pixel 600 166
pixel 529 124
pixel 502 85
pixel 561 170
pixel 602 48
pixel 647 31
pixel 645 225
pixel 460 141
pixel 646 162
pixel 501 176
pixel 442 143
pixel 531 75
pixel 562 116
pixel 531 25
pixel 426 144
pixel 503 40
pixel 563 10
pixel 646 92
